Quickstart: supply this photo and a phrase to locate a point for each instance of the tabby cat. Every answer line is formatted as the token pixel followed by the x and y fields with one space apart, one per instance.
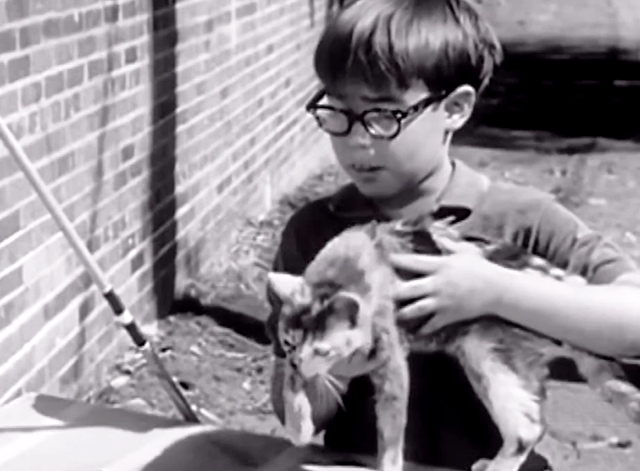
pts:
pixel 344 303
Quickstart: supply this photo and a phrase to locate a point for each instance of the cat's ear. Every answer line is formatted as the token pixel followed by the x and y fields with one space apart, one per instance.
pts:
pixel 284 286
pixel 346 306
pixel 418 223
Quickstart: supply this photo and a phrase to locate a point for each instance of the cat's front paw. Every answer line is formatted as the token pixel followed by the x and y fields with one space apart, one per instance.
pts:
pixel 481 465
pixel 391 459
pixel 298 418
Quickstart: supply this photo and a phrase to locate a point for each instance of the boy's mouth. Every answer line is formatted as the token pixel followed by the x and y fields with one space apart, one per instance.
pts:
pixel 367 169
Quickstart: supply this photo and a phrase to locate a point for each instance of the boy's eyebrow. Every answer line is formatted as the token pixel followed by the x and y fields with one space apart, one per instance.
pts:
pixel 380 98
pixel 373 99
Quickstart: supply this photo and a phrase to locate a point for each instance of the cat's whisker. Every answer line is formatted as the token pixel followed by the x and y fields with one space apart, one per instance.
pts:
pixel 335 382
pixel 333 386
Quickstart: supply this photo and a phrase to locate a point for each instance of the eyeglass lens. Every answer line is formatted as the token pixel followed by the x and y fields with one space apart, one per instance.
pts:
pixel 377 122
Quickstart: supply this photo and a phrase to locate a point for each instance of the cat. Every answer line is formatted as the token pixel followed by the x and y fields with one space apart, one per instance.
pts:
pixel 344 303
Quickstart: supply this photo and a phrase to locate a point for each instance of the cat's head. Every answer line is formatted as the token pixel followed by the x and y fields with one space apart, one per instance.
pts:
pixel 318 325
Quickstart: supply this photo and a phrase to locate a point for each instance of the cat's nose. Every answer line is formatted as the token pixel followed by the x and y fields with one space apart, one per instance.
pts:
pixel 321 351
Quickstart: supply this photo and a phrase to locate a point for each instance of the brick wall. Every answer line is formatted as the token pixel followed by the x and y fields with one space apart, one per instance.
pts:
pixel 157 124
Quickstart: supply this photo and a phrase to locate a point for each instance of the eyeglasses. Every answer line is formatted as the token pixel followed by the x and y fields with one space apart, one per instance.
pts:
pixel 380 123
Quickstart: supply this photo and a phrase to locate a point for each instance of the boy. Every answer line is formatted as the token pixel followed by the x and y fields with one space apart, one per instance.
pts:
pixel 399 78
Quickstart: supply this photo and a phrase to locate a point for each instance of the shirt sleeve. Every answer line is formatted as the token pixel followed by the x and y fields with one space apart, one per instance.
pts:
pixel 561 237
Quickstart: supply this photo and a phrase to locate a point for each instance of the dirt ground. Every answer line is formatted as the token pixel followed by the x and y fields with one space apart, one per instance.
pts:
pixel 218 351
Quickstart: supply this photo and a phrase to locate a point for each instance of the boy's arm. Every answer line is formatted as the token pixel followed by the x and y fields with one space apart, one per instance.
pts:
pixel 603 316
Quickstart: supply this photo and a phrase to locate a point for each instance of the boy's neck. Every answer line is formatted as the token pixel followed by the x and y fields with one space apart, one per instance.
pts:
pixel 421 199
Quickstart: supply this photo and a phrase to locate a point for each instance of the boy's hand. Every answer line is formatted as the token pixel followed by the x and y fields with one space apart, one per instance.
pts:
pixel 454 287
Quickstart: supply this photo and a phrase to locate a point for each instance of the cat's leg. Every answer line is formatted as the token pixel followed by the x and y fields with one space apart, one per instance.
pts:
pixel 391 384
pixel 513 405
pixel 298 415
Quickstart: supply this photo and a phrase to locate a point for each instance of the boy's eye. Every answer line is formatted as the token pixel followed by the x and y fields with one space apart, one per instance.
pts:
pixel 332 101
pixel 382 121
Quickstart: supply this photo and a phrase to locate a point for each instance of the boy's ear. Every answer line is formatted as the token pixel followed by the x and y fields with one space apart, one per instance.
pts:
pixel 459 105
pixel 284 285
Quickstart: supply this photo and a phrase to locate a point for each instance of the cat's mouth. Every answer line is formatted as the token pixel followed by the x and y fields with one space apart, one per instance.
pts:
pixel 313 371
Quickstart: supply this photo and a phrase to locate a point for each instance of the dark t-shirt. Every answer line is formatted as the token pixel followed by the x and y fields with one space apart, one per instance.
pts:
pixel 448 425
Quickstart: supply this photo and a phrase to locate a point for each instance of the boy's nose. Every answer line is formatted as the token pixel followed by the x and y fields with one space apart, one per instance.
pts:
pixel 359 135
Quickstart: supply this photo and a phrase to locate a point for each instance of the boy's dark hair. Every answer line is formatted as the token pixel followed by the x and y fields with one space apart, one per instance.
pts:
pixel 394 43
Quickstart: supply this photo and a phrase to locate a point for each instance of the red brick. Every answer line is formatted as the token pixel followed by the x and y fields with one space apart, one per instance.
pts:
pixel 36 380
pixel 16 9
pixel 40 6
pixel 55 111
pixel 56 305
pixel 75 76
pixel 9 102
pixel 127 152
pixel 31 94
pixel 87 46
pixel 18 68
pixel 137 262
pixel 245 10
pixel 54 84
pixel 42 60
pixel 120 179
pixel 30 35
pixel 52 28
pixel 8 42
pixel 92 18
pixel 10 282
pixel 131 54
pixel 72 24
pixel 97 67
pixel 114 60
pixel 14 306
pixel 63 53
pixel 111 13
pixel 65 164
pixel 34 122
pixel 129 9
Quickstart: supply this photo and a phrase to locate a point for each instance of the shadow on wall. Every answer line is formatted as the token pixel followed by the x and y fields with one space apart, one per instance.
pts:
pixel 569 91
pixel 162 159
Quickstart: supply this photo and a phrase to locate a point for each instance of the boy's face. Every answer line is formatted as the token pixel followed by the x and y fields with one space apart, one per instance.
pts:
pixel 385 168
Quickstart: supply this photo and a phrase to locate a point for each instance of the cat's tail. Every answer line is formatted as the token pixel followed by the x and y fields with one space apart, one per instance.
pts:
pixel 607 378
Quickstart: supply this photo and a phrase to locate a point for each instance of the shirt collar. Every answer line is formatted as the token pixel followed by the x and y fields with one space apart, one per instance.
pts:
pixel 462 194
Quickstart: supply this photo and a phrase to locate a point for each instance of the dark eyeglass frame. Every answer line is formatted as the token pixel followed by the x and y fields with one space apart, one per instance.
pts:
pixel 312 107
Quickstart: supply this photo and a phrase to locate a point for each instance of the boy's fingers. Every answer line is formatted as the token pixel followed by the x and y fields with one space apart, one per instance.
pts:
pixel 422 308
pixel 434 324
pixel 424 264
pixel 416 288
